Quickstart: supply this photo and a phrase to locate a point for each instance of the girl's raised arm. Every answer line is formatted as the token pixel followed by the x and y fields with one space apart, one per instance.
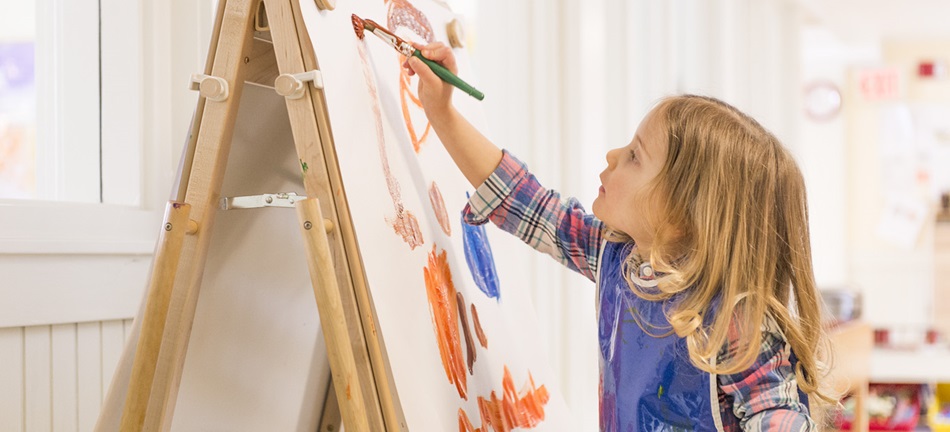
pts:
pixel 474 154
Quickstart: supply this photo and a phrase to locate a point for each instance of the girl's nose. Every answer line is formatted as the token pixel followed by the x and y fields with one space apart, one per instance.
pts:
pixel 612 157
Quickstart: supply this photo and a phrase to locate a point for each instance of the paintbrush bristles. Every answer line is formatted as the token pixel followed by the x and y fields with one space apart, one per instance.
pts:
pixel 358 26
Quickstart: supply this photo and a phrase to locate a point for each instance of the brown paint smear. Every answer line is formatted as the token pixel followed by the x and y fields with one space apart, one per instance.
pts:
pixel 478 328
pixel 403 14
pixel 438 205
pixel 513 410
pixel 445 317
pixel 404 223
pixel 469 343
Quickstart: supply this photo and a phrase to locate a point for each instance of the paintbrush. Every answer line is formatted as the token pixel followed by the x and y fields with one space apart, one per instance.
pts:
pixel 360 25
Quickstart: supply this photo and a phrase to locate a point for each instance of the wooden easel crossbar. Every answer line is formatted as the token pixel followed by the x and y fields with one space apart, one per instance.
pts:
pixel 263 42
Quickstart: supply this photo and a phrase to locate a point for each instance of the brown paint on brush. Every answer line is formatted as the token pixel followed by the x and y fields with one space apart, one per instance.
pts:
pixel 444 311
pixel 513 410
pixel 403 14
pixel 357 26
pixel 404 223
pixel 469 343
pixel 438 205
pixel 478 328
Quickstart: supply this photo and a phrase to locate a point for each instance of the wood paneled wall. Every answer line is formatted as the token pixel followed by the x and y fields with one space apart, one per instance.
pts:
pixel 53 377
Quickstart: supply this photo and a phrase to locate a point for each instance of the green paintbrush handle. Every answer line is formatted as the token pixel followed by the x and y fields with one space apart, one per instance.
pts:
pixel 450 77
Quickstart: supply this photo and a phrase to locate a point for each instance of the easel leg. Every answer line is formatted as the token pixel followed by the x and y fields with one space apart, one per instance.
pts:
pixel 346 383
pixel 330 419
pixel 177 271
pixel 165 266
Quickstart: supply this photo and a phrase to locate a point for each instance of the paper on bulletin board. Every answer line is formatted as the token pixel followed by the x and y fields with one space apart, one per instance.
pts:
pixel 902 220
pixel 933 146
pixel 898 151
pixel 904 170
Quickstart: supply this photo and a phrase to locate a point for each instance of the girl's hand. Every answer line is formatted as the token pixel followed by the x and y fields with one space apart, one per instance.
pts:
pixel 434 94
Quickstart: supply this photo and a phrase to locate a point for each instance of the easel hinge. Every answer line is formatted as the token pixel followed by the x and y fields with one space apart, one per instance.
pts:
pixel 211 87
pixel 286 199
pixel 292 86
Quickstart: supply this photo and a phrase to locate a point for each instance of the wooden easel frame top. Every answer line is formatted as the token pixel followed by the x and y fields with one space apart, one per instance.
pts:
pixel 259 41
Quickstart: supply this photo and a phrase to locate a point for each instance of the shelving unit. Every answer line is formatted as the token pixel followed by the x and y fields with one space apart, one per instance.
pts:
pixel 922 365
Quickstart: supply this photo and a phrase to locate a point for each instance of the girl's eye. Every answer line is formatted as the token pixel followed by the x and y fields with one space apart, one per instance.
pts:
pixel 633 155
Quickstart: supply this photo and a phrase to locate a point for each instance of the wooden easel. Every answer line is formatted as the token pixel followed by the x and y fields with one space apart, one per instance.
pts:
pixel 265 42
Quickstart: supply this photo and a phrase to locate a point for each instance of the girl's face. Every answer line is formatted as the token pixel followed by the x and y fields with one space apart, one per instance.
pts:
pixel 625 203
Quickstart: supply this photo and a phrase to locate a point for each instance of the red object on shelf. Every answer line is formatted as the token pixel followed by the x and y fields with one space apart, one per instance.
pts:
pixel 930 69
pixel 881 337
pixel 904 416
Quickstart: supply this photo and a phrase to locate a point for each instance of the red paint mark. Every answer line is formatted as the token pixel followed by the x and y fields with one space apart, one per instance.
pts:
pixel 438 205
pixel 442 306
pixel 404 223
pixel 348 392
pixel 478 328
pixel 469 343
pixel 513 410
pixel 403 14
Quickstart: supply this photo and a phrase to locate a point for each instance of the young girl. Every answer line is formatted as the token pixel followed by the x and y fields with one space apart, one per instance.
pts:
pixel 708 315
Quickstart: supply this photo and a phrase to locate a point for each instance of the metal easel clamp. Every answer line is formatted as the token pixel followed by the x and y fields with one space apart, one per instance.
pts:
pixel 292 86
pixel 286 199
pixel 211 87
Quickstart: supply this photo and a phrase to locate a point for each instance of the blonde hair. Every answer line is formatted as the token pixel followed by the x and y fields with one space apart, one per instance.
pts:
pixel 735 228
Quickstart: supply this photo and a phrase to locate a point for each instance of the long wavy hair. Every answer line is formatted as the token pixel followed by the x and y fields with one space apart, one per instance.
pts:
pixel 732 229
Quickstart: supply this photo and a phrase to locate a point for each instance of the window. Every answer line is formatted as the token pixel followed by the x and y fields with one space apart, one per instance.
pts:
pixel 17 102
pixel 50 109
pixel 82 180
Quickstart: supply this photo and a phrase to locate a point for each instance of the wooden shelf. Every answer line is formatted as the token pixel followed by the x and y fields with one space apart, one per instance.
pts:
pixel 924 365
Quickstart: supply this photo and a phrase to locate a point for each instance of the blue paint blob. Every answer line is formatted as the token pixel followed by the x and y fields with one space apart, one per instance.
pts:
pixel 479 258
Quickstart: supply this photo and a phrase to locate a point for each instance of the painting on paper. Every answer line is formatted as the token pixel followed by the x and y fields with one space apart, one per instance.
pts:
pixel 463 346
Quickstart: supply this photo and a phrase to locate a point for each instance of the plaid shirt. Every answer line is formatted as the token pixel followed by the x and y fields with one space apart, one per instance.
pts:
pixel 764 397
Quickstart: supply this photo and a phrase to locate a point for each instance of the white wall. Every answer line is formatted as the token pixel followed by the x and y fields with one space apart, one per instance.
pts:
pixel 823 151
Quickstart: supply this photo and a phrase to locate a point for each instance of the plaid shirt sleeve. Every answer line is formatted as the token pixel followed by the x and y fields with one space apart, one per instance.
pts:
pixel 765 397
pixel 513 199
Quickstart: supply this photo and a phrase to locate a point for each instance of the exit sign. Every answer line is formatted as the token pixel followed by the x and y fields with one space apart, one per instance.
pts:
pixel 879 83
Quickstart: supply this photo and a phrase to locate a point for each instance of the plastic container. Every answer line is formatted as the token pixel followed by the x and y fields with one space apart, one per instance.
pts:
pixel 938 414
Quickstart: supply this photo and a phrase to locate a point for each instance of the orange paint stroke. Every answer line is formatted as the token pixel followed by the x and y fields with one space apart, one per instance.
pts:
pixel 405 91
pixel 438 205
pixel 444 311
pixel 469 343
pixel 513 410
pixel 482 339
pixel 403 15
pixel 404 223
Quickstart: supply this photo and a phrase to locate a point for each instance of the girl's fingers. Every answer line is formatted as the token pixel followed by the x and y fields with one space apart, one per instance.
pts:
pixel 438 52
pixel 425 74
pixel 441 53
